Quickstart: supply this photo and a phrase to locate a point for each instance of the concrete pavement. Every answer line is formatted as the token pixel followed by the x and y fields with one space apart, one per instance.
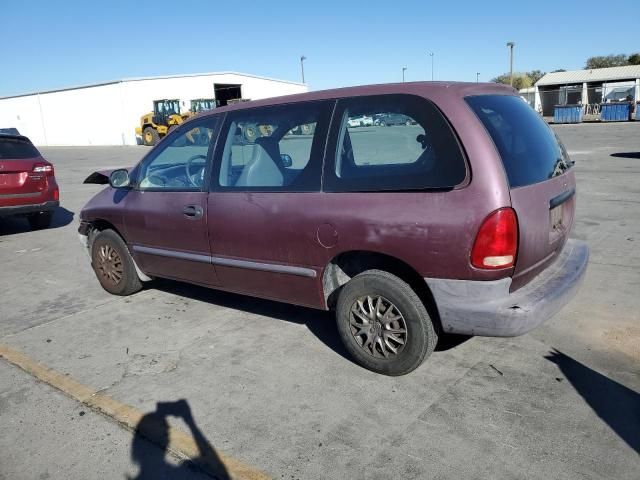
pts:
pixel 269 384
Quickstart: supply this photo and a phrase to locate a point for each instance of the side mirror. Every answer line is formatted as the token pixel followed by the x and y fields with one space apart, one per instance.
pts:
pixel 119 178
pixel 286 160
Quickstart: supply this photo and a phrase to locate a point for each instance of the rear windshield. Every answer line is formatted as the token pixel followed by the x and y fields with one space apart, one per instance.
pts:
pixel 17 149
pixel 530 151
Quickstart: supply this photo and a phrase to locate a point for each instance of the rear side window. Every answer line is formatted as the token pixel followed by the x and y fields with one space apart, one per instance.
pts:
pixel 393 142
pixel 17 149
pixel 530 151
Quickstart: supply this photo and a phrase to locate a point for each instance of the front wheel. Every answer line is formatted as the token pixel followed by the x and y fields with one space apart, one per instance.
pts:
pixel 150 136
pixel 113 264
pixel 383 323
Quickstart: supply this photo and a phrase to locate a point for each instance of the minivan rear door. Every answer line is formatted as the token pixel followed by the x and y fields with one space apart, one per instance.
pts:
pixel 541 181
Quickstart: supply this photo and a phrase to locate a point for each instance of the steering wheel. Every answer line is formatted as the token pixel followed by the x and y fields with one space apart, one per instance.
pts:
pixel 193 177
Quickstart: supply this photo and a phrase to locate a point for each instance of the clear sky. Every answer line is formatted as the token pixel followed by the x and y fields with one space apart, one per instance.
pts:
pixel 51 44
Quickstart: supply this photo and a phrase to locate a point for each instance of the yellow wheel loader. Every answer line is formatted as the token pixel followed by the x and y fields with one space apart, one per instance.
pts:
pixel 164 118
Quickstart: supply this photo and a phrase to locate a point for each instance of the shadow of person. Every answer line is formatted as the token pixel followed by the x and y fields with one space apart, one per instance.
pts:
pixel 617 405
pixel 154 427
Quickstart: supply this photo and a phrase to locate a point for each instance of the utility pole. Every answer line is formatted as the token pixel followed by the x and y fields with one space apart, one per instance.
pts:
pixel 477 76
pixel 431 54
pixel 511 45
pixel 403 69
pixel 302 59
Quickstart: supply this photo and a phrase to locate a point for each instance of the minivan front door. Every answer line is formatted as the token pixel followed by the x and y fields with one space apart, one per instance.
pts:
pixel 166 213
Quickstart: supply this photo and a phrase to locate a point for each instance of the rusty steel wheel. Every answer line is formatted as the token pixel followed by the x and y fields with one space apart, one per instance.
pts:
pixel 109 265
pixel 113 264
pixel 378 326
pixel 383 323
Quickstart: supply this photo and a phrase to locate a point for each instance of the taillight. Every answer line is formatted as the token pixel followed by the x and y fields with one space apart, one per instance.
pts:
pixel 496 244
pixel 43 168
pixel 56 195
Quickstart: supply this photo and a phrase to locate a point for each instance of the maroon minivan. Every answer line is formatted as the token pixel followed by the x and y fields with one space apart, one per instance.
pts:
pixel 456 220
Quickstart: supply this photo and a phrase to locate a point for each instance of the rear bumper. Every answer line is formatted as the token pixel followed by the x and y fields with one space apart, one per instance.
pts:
pixel 26 209
pixel 487 308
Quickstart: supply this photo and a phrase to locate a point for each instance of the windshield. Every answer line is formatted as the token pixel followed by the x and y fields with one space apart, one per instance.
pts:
pixel 17 149
pixel 530 151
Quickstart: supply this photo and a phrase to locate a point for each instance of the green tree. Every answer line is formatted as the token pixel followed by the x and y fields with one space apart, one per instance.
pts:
pixel 607 61
pixel 634 59
pixel 520 80
pixel 535 75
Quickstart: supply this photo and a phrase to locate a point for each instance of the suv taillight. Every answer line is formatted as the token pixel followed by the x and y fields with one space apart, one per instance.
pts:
pixel 43 168
pixel 496 244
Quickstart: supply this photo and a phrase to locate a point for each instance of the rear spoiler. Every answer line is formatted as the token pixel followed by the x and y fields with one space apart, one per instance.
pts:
pixel 100 177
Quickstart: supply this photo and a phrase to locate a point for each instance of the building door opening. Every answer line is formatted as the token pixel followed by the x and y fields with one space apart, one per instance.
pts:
pixel 226 91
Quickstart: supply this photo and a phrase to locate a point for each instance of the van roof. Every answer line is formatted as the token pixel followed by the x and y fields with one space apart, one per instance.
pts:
pixel 426 89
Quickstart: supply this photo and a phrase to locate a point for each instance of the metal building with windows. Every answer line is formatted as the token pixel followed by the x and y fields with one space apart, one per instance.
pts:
pixel 589 88
pixel 107 113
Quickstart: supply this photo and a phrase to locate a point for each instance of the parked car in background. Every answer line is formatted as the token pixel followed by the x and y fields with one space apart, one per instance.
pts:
pixel 361 121
pixel 27 182
pixel 386 227
pixel 389 119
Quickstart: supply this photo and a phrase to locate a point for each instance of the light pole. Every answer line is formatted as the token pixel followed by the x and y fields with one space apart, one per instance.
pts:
pixel 302 59
pixel 477 76
pixel 511 45
pixel 403 69
pixel 431 55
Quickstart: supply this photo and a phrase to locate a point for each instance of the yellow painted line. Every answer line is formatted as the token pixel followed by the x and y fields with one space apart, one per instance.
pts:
pixel 180 443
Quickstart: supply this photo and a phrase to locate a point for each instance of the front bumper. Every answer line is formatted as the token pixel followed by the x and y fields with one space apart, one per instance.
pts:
pixel 487 308
pixel 26 209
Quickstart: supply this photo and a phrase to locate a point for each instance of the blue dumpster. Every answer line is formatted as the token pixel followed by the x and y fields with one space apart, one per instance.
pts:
pixel 567 114
pixel 615 112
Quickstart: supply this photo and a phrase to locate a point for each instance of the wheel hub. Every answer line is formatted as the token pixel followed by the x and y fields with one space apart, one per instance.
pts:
pixel 378 326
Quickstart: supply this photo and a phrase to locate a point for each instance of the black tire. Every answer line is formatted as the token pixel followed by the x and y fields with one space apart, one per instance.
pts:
pixel 382 124
pixel 420 338
pixel 150 136
pixel 40 220
pixel 113 264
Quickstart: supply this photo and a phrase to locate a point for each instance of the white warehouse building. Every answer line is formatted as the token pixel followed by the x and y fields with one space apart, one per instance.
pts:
pixel 108 113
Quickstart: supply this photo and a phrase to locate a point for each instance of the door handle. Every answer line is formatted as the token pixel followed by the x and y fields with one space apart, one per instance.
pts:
pixel 192 212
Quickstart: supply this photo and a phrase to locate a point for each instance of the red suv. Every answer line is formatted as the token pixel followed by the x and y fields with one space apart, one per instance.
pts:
pixel 27 183
pixel 457 220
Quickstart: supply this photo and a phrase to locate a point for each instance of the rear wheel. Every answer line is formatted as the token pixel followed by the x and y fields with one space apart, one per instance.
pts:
pixel 384 324
pixel 150 136
pixel 113 264
pixel 40 220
